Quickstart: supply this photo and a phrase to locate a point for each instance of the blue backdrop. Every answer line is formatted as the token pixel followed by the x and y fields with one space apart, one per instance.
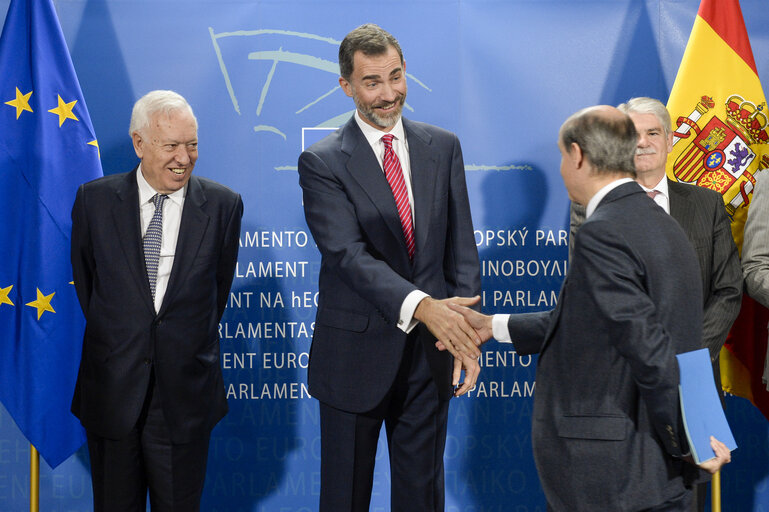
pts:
pixel 262 78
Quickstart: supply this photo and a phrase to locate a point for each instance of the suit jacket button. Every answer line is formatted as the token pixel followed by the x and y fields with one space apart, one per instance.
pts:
pixel 147 361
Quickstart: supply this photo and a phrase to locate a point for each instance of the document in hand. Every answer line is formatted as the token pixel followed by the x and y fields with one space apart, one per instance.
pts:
pixel 701 409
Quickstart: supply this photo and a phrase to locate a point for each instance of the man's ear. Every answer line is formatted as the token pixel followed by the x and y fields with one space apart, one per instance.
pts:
pixel 346 86
pixel 576 155
pixel 138 144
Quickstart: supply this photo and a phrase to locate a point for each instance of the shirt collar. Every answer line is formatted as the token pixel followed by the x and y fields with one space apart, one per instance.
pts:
pixel 661 187
pixel 593 203
pixel 146 192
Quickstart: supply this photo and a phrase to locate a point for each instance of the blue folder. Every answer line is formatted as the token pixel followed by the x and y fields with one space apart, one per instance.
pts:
pixel 701 408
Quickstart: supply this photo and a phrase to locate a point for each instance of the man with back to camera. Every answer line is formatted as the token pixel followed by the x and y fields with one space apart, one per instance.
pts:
pixel 386 201
pixel 606 426
pixel 701 214
pixel 153 257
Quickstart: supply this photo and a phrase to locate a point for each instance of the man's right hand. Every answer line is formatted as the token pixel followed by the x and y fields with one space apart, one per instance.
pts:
pixel 449 326
pixel 479 322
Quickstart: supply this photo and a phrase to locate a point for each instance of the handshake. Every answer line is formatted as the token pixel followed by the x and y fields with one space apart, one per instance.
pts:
pixel 461 331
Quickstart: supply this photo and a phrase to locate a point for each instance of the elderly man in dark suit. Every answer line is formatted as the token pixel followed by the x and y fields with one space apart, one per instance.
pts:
pixel 606 428
pixel 153 257
pixel 702 215
pixel 386 201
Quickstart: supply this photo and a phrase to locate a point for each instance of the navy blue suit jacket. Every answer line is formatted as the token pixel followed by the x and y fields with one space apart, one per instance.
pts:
pixel 124 337
pixel 606 427
pixel 365 271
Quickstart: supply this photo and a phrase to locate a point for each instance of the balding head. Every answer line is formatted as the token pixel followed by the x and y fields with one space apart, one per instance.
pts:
pixel 606 137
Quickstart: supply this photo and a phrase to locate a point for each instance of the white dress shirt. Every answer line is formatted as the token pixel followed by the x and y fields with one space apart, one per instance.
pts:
pixel 172 219
pixel 406 320
pixel 663 197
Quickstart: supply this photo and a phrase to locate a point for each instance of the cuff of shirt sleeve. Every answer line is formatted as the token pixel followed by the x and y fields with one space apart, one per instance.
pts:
pixel 406 322
pixel 499 328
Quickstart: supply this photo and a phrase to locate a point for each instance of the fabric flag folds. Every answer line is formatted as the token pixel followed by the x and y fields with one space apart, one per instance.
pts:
pixel 719 110
pixel 47 149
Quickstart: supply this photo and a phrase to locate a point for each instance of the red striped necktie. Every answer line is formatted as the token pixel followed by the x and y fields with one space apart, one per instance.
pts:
pixel 394 175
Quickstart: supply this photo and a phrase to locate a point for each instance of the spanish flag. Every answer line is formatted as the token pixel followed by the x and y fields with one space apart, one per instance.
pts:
pixel 721 141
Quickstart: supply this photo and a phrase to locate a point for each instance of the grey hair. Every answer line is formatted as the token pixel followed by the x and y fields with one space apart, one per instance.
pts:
pixel 608 142
pixel 370 39
pixel 154 102
pixel 644 105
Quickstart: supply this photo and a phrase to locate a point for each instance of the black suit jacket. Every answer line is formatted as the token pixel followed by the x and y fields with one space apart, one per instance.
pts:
pixel 365 271
pixel 606 430
pixel 124 337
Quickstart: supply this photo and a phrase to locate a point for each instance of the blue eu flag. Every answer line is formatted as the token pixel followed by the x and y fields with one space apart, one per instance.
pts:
pixel 47 149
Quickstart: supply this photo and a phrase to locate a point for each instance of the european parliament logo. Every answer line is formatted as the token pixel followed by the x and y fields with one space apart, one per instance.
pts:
pixel 287 82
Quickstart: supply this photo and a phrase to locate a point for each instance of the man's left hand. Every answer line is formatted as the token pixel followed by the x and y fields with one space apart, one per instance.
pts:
pixel 472 370
pixel 723 456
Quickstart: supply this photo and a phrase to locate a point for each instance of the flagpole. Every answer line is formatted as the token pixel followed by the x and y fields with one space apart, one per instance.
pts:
pixel 34 479
pixel 715 492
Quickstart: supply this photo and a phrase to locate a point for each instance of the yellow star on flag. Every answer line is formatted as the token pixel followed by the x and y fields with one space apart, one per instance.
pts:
pixel 64 110
pixel 4 295
pixel 96 144
pixel 21 102
pixel 43 303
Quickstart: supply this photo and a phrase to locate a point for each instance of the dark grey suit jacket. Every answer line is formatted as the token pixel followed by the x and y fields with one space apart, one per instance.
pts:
pixel 365 271
pixel 702 215
pixel 607 433
pixel 124 337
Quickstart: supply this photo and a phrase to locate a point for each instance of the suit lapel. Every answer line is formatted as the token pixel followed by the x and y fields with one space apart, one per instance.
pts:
pixel 125 215
pixel 365 169
pixel 423 179
pixel 681 208
pixel 191 232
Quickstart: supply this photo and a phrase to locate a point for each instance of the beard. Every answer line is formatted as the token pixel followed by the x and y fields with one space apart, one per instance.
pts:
pixel 383 121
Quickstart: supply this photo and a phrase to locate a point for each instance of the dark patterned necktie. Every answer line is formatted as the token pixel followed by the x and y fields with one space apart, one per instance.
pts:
pixel 153 238
pixel 394 175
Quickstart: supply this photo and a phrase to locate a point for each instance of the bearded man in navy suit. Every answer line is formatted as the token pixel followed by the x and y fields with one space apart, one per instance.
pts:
pixel 153 257
pixel 386 201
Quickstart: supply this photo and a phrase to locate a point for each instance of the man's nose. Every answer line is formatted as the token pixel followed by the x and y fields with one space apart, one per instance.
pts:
pixel 389 93
pixel 182 155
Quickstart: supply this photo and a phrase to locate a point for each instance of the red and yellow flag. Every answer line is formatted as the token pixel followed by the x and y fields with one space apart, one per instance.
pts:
pixel 721 141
